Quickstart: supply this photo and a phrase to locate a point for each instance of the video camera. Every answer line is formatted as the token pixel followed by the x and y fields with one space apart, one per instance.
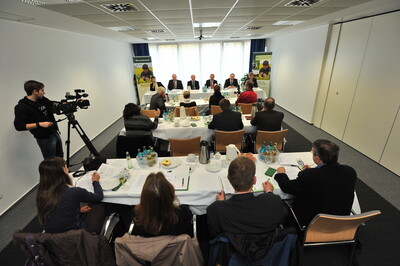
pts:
pixel 71 103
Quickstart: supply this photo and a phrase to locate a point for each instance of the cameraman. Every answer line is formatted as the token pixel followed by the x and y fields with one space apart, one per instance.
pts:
pixel 34 113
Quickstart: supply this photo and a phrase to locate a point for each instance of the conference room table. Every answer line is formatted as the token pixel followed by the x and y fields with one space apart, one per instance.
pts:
pixel 204 181
pixel 200 94
pixel 168 130
pixel 201 104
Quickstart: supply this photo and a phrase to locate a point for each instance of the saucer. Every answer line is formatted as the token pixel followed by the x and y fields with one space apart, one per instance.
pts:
pixel 213 167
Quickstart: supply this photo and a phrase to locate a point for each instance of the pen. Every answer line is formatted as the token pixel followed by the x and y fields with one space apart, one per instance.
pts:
pixel 183 181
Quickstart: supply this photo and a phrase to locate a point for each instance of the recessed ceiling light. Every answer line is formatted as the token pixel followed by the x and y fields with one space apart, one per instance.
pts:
pixel 253 35
pixel 301 3
pixel 207 25
pixel 287 22
pixel 123 28
pixel 169 40
pixel 235 37
pixel 150 39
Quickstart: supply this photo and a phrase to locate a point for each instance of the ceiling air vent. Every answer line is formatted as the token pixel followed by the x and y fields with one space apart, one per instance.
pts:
pixel 33 2
pixel 301 3
pixel 252 28
pixel 117 8
pixel 235 37
pixel 157 31
pixel 169 40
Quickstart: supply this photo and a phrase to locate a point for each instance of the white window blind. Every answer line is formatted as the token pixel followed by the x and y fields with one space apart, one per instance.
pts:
pixel 201 59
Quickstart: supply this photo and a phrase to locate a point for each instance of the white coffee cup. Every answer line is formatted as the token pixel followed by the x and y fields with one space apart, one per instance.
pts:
pixel 176 123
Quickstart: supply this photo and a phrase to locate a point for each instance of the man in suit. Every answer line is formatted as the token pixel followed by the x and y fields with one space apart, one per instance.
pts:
pixel 244 213
pixel 211 82
pixel 231 82
pixel 193 83
pixel 175 84
pixel 157 101
pixel 268 119
pixel 327 188
pixel 227 120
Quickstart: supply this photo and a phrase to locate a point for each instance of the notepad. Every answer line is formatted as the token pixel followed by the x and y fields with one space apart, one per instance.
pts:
pixel 180 181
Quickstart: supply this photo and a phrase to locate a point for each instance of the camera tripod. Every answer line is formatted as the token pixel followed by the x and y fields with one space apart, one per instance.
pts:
pixel 72 122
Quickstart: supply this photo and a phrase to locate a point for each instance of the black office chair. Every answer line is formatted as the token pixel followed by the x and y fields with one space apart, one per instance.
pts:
pixel 132 144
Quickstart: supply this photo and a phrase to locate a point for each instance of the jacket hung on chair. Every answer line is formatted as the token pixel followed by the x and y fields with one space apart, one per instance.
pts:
pixel 75 247
pixel 161 250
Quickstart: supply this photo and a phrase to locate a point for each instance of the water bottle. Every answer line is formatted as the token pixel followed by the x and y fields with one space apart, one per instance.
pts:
pixel 128 160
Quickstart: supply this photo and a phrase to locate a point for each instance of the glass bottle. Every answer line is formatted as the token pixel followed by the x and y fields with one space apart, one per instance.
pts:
pixel 128 160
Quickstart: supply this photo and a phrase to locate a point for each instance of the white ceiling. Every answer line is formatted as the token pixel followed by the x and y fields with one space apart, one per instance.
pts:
pixel 176 17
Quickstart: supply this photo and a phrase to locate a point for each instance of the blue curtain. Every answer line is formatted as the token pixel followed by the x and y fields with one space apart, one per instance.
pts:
pixel 141 49
pixel 256 45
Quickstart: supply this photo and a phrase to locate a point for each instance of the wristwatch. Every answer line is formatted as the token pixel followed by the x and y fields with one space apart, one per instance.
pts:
pixel 37 125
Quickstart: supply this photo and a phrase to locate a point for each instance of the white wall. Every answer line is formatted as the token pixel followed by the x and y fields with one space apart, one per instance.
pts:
pixel 297 61
pixel 62 61
pixel 362 103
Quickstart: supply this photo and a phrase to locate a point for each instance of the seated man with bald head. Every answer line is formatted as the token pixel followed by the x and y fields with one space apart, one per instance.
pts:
pixel 268 119
pixel 193 83
pixel 174 83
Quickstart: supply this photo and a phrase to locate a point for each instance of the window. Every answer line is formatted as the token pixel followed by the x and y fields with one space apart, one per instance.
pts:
pixel 201 59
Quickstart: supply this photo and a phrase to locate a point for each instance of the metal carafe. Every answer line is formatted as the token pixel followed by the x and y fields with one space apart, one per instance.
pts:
pixel 254 109
pixel 204 156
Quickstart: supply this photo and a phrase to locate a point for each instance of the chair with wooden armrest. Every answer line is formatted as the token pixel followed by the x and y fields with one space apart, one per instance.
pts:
pixel 270 136
pixel 183 147
pixel 190 111
pixel 246 107
pixel 224 138
pixel 215 109
pixel 327 229
pixel 148 113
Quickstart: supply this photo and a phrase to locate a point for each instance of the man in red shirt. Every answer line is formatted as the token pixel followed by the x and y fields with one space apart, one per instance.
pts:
pixel 249 96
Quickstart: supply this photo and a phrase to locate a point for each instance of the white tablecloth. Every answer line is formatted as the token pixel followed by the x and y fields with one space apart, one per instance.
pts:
pixel 167 130
pixel 203 185
pixel 201 104
pixel 199 94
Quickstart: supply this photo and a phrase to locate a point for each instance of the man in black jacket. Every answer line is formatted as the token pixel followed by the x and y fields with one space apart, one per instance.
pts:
pixel 231 82
pixel 174 83
pixel 193 83
pixel 245 215
pixel 268 119
pixel 227 120
pixel 327 188
pixel 210 83
pixel 34 113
